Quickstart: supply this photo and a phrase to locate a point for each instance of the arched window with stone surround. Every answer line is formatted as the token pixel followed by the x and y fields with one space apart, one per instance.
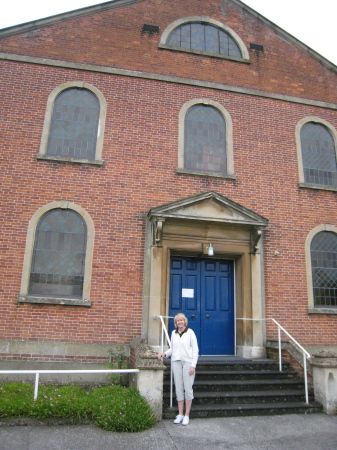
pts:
pixel 205 144
pixel 323 251
pixel 74 124
pixel 58 256
pixel 318 151
pixel 204 36
pixel 205 139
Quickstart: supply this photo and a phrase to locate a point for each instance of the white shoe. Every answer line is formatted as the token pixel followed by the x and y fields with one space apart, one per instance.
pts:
pixel 178 419
pixel 186 420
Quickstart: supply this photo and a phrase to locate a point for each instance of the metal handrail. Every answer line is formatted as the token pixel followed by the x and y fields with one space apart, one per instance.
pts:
pixel 165 333
pixel 37 374
pixel 306 355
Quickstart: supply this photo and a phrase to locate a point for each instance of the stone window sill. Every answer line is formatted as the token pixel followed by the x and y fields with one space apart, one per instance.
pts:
pixel 53 300
pixel 205 173
pixel 71 160
pixel 326 310
pixel 209 54
pixel 317 186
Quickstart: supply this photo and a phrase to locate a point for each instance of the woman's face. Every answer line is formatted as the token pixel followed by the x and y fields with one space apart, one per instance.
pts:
pixel 180 322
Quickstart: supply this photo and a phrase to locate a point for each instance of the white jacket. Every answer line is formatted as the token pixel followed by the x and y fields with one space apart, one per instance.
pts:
pixel 184 348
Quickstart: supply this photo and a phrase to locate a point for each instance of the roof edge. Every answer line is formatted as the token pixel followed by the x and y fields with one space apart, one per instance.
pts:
pixel 57 18
pixel 287 36
pixel 113 4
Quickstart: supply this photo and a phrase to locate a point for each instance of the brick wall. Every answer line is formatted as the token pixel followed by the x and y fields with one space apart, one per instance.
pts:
pixel 140 154
pixel 114 39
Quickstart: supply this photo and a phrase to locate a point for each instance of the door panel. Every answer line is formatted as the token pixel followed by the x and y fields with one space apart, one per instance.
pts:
pixel 203 289
pixel 187 271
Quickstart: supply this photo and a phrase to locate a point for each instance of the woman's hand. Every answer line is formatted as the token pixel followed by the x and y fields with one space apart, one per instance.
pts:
pixel 161 355
pixel 192 370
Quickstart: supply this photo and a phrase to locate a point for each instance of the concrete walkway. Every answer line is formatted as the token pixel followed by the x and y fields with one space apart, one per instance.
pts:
pixel 289 432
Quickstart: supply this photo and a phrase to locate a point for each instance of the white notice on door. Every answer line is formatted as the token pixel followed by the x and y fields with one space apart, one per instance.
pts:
pixel 187 293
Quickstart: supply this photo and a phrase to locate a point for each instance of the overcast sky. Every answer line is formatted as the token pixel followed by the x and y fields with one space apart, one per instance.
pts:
pixel 312 23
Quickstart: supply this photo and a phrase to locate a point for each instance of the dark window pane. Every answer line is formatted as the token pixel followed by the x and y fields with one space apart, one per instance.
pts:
pixel 74 125
pixel 59 255
pixel 197 37
pixel 205 144
pixel 319 155
pixel 324 268
pixel 204 37
pixel 212 41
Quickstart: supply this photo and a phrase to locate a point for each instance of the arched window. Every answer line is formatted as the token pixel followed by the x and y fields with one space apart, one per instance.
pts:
pixel 318 155
pixel 74 125
pixel 204 37
pixel 59 255
pixel 323 251
pixel 205 139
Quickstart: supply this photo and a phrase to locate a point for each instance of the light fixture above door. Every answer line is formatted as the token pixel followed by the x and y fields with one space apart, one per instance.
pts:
pixel 210 250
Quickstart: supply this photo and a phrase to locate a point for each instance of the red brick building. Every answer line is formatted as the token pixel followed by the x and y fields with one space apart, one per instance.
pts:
pixel 160 156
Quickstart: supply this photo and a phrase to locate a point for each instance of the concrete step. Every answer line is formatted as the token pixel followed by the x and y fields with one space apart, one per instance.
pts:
pixel 243 409
pixel 246 397
pixel 242 388
pixel 243 385
pixel 241 374
pixel 241 364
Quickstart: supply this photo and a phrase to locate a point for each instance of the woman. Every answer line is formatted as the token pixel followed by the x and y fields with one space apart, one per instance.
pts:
pixel 184 351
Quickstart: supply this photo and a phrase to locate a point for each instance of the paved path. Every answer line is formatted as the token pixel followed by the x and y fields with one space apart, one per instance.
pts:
pixel 289 432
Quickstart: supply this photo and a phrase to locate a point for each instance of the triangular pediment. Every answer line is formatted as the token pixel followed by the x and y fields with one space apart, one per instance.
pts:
pixel 100 8
pixel 208 207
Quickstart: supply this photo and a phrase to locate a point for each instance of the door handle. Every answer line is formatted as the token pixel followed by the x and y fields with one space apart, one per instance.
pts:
pixel 207 316
pixel 193 316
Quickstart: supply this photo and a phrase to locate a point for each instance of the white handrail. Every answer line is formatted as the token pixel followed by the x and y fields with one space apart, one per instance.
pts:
pixel 37 374
pixel 305 356
pixel 305 353
pixel 164 331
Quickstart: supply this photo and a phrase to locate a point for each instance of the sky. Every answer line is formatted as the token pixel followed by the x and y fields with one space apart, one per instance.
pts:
pixel 312 23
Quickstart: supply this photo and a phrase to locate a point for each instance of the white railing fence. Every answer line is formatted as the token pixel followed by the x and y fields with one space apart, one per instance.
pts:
pixel 38 372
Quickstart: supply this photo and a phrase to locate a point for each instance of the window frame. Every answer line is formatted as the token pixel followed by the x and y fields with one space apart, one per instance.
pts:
pixel 205 20
pixel 24 296
pixel 229 140
pixel 302 183
pixel 43 155
pixel 312 309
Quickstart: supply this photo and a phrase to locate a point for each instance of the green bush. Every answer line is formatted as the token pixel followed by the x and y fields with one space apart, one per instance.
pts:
pixel 113 408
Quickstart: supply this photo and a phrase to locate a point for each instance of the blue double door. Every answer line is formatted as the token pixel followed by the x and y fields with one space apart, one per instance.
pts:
pixel 203 289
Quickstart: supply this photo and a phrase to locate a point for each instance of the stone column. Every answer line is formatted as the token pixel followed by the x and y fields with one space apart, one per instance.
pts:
pixel 149 380
pixel 258 345
pixel 324 364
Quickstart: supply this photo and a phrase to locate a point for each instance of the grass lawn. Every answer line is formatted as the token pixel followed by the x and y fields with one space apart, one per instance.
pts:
pixel 112 407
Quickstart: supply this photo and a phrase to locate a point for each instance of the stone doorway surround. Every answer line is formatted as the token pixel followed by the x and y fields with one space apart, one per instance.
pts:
pixel 186 227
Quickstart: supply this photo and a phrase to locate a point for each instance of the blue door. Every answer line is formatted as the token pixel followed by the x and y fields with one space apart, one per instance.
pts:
pixel 203 289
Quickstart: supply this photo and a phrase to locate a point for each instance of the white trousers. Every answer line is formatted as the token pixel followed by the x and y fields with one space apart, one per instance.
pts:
pixel 183 381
